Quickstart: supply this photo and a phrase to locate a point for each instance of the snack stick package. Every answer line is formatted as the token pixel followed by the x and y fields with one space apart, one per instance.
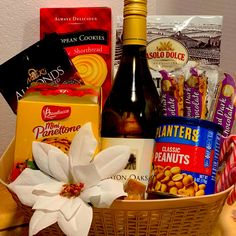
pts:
pixel 208 80
pixel 195 95
pixel 225 104
pixel 212 73
pixel 172 93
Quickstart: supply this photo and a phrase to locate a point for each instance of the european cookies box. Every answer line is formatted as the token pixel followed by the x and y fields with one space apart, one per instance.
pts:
pixel 85 33
pixel 46 115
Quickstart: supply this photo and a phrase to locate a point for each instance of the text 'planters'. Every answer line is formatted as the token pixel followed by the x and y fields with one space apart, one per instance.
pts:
pixel 185 158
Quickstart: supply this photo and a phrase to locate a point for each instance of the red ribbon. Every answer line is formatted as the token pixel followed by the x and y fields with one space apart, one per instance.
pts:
pixel 68 89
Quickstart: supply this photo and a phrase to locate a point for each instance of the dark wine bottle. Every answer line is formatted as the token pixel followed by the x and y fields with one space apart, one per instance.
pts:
pixel 133 107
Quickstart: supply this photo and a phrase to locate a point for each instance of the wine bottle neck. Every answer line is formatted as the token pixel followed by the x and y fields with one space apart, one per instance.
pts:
pixel 132 50
pixel 134 23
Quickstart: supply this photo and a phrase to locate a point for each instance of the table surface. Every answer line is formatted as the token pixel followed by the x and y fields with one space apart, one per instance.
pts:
pixel 12 221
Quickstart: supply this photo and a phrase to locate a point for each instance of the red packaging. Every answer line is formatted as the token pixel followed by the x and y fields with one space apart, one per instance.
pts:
pixel 86 36
pixel 226 176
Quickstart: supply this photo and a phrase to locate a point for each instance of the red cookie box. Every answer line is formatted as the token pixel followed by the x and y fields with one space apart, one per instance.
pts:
pixel 83 31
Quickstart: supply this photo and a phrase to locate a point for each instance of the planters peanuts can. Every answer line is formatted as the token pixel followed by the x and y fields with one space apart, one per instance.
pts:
pixel 185 159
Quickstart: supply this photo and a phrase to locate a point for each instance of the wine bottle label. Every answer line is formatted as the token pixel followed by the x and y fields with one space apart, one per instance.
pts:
pixel 139 164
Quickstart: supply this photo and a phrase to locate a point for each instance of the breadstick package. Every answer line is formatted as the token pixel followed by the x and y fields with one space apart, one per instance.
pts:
pixel 176 41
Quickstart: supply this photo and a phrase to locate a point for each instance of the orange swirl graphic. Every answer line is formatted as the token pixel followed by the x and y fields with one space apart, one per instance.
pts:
pixel 92 68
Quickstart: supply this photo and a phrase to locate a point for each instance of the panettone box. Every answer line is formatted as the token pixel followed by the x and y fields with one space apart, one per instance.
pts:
pixel 53 116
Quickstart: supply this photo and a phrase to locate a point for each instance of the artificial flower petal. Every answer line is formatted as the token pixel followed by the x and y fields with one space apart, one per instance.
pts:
pixel 112 160
pixel 79 224
pixel 67 206
pixel 87 193
pixel 70 207
pixel 48 189
pixel 25 183
pixel 24 193
pixel 31 177
pixel 49 203
pixel 83 146
pixel 105 193
pixel 58 163
pixel 41 220
pixel 86 174
pixel 41 152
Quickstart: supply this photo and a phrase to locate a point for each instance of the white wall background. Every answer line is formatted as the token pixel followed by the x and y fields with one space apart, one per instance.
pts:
pixel 19 28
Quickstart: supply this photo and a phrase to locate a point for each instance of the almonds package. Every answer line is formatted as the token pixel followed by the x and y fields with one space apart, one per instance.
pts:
pixel 43 62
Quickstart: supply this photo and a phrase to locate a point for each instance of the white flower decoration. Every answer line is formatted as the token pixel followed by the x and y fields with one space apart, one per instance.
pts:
pixel 65 184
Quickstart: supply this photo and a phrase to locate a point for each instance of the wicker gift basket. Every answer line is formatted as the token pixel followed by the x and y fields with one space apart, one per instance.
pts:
pixel 188 216
pixel 192 216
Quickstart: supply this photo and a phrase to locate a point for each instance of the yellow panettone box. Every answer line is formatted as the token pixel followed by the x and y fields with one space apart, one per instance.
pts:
pixel 53 115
